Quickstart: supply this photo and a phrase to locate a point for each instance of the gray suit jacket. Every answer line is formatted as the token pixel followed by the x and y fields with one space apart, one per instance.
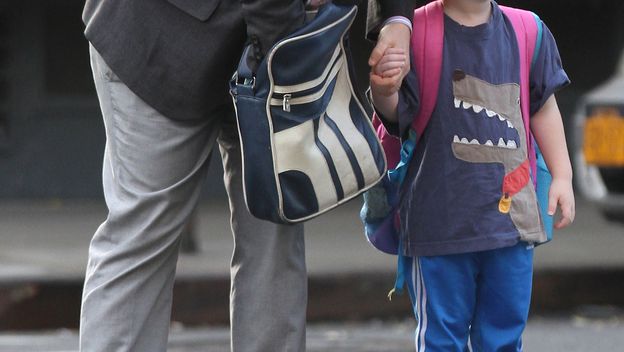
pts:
pixel 178 55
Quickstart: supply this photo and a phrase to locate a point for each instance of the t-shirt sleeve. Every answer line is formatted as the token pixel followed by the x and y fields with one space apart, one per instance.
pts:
pixel 547 74
pixel 408 106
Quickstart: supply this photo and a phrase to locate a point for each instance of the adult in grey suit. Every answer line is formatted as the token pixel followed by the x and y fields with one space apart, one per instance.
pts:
pixel 161 69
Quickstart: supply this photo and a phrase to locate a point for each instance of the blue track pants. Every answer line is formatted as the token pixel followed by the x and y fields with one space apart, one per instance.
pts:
pixel 471 302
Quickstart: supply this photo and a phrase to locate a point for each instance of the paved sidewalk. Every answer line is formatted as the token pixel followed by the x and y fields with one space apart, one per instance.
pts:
pixel 43 253
pixel 48 241
pixel 563 334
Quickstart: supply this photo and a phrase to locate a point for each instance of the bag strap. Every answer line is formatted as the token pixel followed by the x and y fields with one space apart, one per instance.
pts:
pixel 427 47
pixel 528 28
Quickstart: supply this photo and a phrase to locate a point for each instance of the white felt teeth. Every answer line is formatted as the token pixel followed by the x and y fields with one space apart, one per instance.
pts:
pixel 501 142
pixel 477 109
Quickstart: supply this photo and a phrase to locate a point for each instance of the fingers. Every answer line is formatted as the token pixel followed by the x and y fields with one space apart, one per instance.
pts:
pixel 553 199
pixel 381 50
pixel 387 65
pixel 406 68
pixel 396 36
pixel 395 51
pixel 563 222
pixel 377 53
pixel 391 72
pixel 567 214
pixel 385 85
pixel 379 82
pixel 393 58
pixel 566 204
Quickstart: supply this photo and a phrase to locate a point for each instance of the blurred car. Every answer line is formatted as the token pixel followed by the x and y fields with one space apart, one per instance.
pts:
pixel 598 146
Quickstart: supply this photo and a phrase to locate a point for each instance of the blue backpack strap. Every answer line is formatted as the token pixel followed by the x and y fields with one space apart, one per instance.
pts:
pixel 538 42
pixel 397 175
pixel 544 178
pixel 399 282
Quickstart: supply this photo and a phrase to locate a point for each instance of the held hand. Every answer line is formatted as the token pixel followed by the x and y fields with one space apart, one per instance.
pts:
pixel 392 63
pixel 561 194
pixel 393 35
pixel 387 70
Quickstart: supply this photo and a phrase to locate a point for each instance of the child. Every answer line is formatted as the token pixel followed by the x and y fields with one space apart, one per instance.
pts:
pixel 470 247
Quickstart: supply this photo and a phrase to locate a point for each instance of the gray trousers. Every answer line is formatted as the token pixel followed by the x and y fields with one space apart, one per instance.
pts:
pixel 153 168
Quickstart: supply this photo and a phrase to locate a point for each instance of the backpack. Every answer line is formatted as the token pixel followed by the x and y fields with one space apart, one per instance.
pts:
pixel 380 211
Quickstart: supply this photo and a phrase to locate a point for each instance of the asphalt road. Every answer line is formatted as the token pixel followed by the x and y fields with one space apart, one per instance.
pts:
pixel 601 331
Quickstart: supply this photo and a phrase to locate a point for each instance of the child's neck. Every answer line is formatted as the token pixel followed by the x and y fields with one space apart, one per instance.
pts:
pixel 469 13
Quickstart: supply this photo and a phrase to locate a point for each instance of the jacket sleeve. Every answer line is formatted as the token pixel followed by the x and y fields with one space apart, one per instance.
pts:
pixel 378 11
pixel 389 8
pixel 270 20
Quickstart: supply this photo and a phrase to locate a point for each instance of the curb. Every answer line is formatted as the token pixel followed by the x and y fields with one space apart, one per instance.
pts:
pixel 349 297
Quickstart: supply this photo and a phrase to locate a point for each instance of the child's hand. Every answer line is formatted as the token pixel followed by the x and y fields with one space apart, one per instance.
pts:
pixel 387 69
pixel 391 64
pixel 561 194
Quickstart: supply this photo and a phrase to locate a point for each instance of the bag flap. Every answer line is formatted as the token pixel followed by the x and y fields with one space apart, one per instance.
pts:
pixel 304 55
pixel 304 67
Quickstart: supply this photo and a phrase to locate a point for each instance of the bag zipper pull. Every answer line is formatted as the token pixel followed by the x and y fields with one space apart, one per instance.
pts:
pixel 286 102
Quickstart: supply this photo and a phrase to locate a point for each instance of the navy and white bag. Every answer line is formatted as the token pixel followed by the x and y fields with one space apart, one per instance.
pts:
pixel 307 142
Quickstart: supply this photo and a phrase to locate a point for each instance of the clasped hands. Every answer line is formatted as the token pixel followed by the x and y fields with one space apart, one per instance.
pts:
pixel 389 60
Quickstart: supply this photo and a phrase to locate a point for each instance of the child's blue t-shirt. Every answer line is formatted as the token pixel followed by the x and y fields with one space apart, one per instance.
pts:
pixel 464 191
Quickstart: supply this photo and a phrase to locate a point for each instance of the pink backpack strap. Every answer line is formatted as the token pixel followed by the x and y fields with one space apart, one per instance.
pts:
pixel 427 46
pixel 525 26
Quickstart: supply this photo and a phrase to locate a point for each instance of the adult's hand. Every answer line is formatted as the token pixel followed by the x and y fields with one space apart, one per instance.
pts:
pixel 392 35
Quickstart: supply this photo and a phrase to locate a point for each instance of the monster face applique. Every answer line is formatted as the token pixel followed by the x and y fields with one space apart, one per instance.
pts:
pixel 498 136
